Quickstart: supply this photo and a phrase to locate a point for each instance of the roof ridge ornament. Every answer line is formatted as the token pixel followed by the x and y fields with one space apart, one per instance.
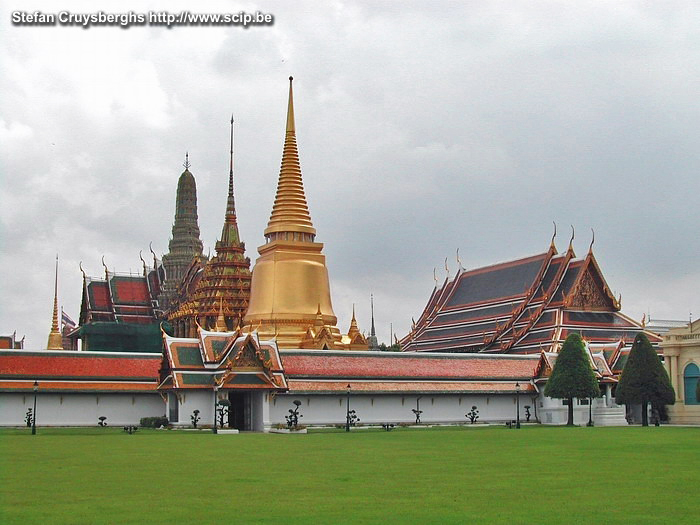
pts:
pixel 590 248
pixel 143 262
pixel 552 246
pixel 187 164
pixel 571 241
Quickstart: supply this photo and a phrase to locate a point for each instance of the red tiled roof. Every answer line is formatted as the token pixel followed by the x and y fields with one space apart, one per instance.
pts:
pixel 455 366
pixel 92 365
pixel 371 387
pixel 65 386
pixel 128 290
pixel 99 295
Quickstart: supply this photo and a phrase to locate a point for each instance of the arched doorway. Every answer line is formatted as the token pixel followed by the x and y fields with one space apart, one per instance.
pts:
pixel 691 376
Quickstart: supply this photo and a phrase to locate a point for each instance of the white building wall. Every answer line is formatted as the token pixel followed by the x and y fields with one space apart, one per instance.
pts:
pixel 321 409
pixel 188 402
pixel 78 409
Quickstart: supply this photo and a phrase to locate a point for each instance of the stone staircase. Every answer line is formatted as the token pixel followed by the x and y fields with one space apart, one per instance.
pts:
pixel 609 416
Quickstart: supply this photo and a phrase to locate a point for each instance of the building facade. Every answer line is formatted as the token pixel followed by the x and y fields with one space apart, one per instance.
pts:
pixel 681 347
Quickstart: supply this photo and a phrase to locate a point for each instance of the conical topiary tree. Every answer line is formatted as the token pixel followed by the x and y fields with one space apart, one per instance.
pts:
pixel 644 379
pixel 572 375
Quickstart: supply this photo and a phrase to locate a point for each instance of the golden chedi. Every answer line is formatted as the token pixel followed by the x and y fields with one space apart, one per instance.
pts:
pixel 290 297
pixel 55 341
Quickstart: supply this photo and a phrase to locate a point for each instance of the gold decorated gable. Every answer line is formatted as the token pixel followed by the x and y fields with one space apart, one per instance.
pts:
pixel 589 293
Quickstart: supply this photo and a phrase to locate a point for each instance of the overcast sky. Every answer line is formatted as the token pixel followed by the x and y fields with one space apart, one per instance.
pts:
pixel 422 128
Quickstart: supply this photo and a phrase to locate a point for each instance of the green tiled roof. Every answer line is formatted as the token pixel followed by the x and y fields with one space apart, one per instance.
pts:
pixel 197 379
pixel 189 356
pixel 247 379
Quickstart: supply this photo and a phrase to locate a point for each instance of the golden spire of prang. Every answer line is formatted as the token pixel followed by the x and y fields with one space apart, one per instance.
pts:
pixel 354 330
pixel 290 213
pixel 55 337
pixel 220 319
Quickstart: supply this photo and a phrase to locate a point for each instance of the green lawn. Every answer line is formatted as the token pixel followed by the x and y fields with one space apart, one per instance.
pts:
pixel 442 475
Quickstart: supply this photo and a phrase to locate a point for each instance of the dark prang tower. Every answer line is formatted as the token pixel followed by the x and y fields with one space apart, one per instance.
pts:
pixel 185 243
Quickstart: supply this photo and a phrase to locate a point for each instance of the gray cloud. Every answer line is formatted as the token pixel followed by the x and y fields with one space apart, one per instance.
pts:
pixel 422 129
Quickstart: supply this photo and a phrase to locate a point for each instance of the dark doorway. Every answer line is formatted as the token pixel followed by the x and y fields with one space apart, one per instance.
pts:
pixel 238 415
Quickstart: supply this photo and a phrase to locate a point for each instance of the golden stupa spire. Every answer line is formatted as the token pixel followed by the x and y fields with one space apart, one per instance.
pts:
pixel 221 320
pixel 290 213
pixel 55 337
pixel 354 329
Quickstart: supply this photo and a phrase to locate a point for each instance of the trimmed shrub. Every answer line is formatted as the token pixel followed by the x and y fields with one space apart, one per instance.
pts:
pixel 644 379
pixel 572 375
pixel 154 422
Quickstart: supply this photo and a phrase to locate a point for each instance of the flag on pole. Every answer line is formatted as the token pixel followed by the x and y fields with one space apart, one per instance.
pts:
pixel 66 320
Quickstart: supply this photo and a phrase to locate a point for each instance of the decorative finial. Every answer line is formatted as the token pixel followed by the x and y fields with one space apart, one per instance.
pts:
pixel 459 261
pixel 142 262
pixel 187 161
pixel 447 269
pixel 554 235
pixel 435 276
pixel 80 265
pixel 105 267
pixel 590 248
pixel 571 241
pixel 155 259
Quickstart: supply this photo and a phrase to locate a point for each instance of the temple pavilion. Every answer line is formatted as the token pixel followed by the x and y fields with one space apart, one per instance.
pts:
pixel 527 306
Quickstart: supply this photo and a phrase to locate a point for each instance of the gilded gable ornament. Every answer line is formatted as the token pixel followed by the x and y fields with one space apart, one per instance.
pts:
pixel 588 295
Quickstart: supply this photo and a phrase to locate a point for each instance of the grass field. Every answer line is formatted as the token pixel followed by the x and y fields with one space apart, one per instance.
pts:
pixel 440 475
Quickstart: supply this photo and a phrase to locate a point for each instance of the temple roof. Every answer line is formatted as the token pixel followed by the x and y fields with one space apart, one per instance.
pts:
pixel 67 370
pixel 227 359
pixel 323 371
pixel 391 365
pixel 124 298
pixel 523 306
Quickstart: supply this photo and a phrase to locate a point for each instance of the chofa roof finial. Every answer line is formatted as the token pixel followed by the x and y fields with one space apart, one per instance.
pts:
pixel 571 241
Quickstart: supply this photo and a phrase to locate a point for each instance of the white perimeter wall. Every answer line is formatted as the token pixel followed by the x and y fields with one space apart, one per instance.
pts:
pixel 392 408
pixel 71 409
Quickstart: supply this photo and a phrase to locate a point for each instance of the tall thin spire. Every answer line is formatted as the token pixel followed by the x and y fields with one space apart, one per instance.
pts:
pixel 373 332
pixel 55 338
pixel 290 213
pixel 230 204
pixel 229 233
